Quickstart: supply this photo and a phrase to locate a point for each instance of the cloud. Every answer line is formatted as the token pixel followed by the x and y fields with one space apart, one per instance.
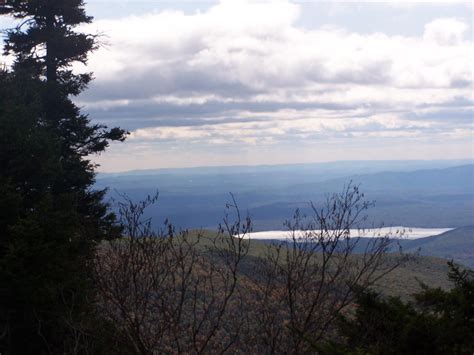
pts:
pixel 245 72
pixel 5 24
pixel 445 31
pixel 245 47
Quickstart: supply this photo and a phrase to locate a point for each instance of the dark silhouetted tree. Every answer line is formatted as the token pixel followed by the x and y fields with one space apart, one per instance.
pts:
pixel 438 322
pixel 50 216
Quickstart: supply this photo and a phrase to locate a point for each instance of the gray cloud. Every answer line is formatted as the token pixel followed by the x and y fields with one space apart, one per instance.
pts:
pixel 244 73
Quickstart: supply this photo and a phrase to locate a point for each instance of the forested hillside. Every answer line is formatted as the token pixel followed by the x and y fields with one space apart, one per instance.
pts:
pixel 457 245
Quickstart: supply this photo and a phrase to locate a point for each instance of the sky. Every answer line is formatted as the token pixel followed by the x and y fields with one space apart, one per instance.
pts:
pixel 241 82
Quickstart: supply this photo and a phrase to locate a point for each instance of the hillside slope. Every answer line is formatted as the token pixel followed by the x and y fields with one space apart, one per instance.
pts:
pixel 457 244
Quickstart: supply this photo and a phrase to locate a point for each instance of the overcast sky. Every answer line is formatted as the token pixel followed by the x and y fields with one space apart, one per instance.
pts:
pixel 263 82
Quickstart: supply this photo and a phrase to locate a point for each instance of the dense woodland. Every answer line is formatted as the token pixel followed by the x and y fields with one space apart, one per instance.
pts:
pixel 78 279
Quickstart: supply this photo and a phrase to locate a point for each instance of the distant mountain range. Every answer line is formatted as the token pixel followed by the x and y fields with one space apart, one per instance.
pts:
pixel 408 193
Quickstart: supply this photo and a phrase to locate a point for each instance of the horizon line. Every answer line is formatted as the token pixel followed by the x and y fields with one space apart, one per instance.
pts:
pixel 278 165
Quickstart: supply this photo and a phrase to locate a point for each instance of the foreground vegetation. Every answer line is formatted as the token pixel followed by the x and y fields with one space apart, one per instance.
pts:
pixel 202 293
pixel 437 322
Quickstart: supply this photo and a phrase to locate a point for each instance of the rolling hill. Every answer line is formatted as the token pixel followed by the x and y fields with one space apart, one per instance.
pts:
pixel 437 194
pixel 457 244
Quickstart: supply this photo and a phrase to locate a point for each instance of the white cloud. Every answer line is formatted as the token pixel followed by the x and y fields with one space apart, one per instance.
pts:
pixel 258 46
pixel 5 23
pixel 244 72
pixel 445 31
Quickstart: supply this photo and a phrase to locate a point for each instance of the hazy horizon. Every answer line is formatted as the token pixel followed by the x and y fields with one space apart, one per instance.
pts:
pixel 453 162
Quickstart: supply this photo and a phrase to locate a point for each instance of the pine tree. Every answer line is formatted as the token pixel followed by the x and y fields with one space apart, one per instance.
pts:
pixel 46 49
pixel 437 322
pixel 50 216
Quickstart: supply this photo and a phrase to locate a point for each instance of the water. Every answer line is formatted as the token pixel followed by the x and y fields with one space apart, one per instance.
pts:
pixel 393 232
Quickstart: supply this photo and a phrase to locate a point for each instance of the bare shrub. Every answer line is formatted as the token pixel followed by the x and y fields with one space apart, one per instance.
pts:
pixel 182 292
pixel 165 292
pixel 307 281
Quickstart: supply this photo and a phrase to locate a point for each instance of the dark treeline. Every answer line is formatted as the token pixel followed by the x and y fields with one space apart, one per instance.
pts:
pixel 76 279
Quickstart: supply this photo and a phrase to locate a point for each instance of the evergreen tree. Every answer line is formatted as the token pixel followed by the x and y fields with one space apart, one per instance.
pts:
pixel 45 50
pixel 50 217
pixel 438 322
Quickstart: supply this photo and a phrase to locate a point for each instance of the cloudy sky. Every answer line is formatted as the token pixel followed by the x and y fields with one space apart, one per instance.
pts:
pixel 264 82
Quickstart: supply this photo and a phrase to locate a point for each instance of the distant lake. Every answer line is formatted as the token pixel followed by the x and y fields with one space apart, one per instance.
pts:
pixel 396 232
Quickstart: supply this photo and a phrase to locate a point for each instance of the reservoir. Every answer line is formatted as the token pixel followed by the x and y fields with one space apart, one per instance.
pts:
pixel 393 232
